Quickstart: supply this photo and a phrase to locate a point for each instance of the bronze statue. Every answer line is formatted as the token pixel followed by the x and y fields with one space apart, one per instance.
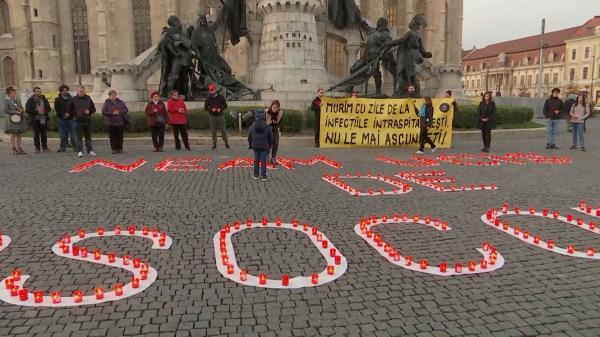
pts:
pixel 176 53
pixel 378 51
pixel 343 13
pixel 410 51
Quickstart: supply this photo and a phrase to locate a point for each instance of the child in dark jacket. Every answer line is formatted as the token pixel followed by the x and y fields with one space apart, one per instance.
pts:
pixel 260 139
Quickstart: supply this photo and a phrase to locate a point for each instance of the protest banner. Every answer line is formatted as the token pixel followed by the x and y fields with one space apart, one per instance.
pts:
pixel 376 122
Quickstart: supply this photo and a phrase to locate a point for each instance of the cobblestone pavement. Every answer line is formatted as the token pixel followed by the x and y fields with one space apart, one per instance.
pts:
pixel 536 293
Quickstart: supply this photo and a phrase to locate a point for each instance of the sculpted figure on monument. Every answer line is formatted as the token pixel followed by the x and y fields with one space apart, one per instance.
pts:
pixel 176 53
pixel 409 53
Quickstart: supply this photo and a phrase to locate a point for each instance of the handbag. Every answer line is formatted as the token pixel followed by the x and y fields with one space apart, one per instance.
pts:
pixel 16 119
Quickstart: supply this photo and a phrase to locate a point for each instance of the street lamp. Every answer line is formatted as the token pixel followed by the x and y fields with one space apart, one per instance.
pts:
pixel 592 79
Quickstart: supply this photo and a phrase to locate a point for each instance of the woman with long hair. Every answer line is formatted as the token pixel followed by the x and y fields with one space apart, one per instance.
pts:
pixel 486 120
pixel 579 112
pixel 274 115
pixel 425 114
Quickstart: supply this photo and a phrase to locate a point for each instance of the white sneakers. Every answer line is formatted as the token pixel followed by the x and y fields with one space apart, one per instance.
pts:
pixel 91 154
pixel 433 150
pixel 419 152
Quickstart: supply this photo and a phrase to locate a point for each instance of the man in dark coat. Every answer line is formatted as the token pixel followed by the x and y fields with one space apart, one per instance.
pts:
pixel 66 124
pixel 38 109
pixel 552 112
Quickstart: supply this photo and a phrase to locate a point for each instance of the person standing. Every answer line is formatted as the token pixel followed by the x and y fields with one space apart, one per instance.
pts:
pixel 425 114
pixel 552 108
pixel 15 121
pixel 178 119
pixel 486 120
pixel 412 91
pixel 157 118
pixel 115 116
pixel 260 140
pixel 566 109
pixel 274 115
pixel 579 112
pixel 316 107
pixel 66 124
pixel 38 109
pixel 81 107
pixel 215 105
pixel 448 94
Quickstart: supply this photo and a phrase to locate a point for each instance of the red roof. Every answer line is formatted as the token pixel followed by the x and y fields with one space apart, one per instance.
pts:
pixel 587 29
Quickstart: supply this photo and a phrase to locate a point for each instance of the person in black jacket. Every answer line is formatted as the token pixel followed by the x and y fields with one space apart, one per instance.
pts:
pixel 486 120
pixel 425 114
pixel 81 107
pixel 66 124
pixel 316 107
pixel 38 109
pixel 552 109
pixel 260 139
pixel 215 105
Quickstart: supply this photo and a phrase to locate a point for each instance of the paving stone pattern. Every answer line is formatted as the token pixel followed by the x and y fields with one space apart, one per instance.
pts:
pixel 536 293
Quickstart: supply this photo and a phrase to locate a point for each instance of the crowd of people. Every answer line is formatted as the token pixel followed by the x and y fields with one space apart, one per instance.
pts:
pixel 75 126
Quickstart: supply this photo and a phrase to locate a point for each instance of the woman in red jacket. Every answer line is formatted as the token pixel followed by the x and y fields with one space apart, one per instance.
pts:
pixel 157 118
pixel 178 120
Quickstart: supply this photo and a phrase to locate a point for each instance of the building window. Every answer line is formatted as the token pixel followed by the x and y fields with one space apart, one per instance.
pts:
pixel 546 79
pixel 555 78
pixel 572 74
pixel 8 69
pixel 141 26
pixel 573 54
pixel 529 80
pixel 337 59
pixel 478 83
pixel 390 12
pixel 79 17
pixel 4 18
pixel 40 74
pixel 54 41
pixel 584 74
pixel 514 81
pixel 35 12
pixel 472 83
pixel 587 53
pixel 522 80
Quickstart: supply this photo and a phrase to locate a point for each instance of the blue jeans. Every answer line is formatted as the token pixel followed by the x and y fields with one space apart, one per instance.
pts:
pixel 551 129
pixel 260 156
pixel 66 129
pixel 577 132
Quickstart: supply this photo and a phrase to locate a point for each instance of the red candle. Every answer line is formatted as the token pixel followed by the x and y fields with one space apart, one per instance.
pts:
pixel 555 214
pixel 416 218
pixel 56 297
pixel 38 296
pixel 248 222
pixel 135 282
pixel 444 226
pixel 236 225
pixel 16 275
pixel 338 260
pixel 230 269
pixel 408 260
pixel 65 249
pixel 84 252
pixel 285 280
pixel 545 212
pixel 598 211
pixel 324 243
pixel 471 265
pixel 118 230
pixel 81 233
pixel 570 249
pixel 537 239
pixel 314 231
pixel 262 279
pixel 550 244
pixel 330 270
pixel 505 226
pixel 483 264
pixel 569 217
pixel 118 289
pixel 145 231
pixel 125 259
pixel 458 268
pixel 486 246
pixel 504 208
pixel 305 227
pixel 136 262
pixel 319 237
pixel 579 221
pixel 97 255
pixel 77 296
pixel 332 252
pixel 14 291
pixel 145 266
pixel 100 231
pixel 99 293
pixel 155 232
pixel 24 294
pixel 517 210
pixel 396 256
pixel 582 205
pixel 532 211
pixel 131 230
pixel 315 279
pixel 225 260
pixel 264 221
pixel 590 252
pixel 243 275
pixel 423 264
pixel 443 267
pixel 75 251
pixel 9 283
pixel 525 235
pixel 111 257
pixel 516 230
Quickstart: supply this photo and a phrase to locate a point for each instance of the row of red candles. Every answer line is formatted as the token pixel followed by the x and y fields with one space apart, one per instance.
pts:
pixel 373 220
pixel 122 167
pixel 185 162
pixel 414 162
pixel 550 244
pixel 424 263
pixel 472 187
pixel 338 182
pixel 262 278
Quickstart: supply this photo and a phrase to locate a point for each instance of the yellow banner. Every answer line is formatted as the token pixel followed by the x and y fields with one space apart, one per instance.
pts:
pixel 391 122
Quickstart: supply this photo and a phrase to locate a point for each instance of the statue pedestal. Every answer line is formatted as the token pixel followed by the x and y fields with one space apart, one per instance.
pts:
pixel 450 78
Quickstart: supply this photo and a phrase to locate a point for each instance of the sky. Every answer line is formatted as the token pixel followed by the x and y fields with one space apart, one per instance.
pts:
pixel 490 21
